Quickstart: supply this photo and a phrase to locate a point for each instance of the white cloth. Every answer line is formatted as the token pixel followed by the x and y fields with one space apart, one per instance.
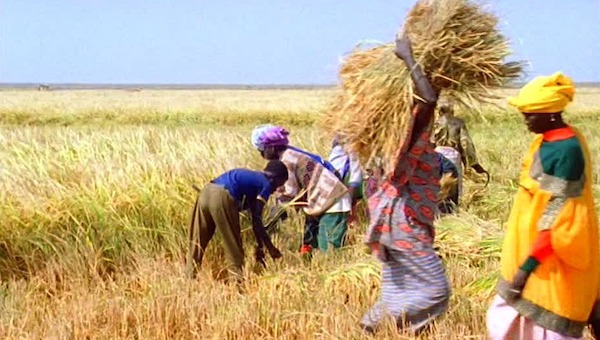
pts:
pixel 505 323
pixel 348 166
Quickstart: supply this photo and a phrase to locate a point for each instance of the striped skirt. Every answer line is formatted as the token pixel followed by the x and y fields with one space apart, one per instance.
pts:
pixel 414 291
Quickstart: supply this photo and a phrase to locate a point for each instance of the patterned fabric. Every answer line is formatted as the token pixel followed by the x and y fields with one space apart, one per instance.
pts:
pixel 403 210
pixel 561 292
pixel 323 188
pixel 414 284
pixel 505 323
pixel 414 291
pixel 373 181
pixel 452 132
pixel 316 158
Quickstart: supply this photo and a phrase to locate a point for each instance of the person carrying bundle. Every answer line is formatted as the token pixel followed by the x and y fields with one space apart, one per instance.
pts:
pixel 452 139
pixel 218 206
pixel 550 265
pixel 382 114
pixel 308 173
pixel 414 289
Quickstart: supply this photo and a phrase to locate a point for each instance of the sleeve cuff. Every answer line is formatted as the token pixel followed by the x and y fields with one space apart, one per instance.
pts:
pixel 530 264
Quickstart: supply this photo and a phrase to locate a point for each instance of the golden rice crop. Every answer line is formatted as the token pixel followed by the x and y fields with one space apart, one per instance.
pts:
pixel 115 195
pixel 459 47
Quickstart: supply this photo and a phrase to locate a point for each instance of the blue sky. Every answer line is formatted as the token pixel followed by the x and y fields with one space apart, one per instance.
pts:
pixel 254 41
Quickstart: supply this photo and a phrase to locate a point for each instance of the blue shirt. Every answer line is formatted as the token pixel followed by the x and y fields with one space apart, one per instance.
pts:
pixel 446 166
pixel 245 186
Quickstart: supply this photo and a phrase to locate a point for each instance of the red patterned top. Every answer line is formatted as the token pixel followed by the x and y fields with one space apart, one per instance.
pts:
pixel 403 210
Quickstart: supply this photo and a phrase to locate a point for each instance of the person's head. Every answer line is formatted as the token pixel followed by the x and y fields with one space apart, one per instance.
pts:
pixel 277 173
pixel 542 101
pixel 270 140
pixel 446 107
pixel 542 122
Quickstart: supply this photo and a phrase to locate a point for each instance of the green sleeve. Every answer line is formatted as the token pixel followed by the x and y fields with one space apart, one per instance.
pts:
pixel 563 166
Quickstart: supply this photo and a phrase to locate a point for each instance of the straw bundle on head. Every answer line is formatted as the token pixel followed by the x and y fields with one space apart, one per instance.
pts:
pixel 458 46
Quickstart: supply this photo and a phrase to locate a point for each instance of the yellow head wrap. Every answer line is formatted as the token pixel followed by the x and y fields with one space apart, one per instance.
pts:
pixel 545 94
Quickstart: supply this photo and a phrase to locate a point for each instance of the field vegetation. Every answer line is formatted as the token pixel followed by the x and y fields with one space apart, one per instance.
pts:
pixel 96 194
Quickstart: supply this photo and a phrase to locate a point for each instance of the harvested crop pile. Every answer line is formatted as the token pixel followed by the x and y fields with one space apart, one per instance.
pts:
pixel 459 47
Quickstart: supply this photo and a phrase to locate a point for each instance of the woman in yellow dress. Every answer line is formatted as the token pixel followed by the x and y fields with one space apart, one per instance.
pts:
pixel 550 257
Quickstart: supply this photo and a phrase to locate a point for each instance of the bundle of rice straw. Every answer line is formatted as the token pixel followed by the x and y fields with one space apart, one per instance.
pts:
pixel 459 47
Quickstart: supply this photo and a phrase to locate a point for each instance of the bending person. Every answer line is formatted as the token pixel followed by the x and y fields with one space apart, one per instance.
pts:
pixel 217 209
pixel 452 139
pixel 307 172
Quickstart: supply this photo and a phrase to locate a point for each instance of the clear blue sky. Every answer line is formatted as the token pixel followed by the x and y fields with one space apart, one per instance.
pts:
pixel 254 41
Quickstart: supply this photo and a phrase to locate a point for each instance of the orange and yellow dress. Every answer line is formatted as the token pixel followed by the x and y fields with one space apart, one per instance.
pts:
pixel 552 231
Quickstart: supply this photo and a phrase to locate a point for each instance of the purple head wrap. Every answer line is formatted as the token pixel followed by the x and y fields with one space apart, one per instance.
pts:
pixel 269 135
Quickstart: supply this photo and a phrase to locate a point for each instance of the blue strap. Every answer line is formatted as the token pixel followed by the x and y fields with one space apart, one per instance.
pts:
pixel 316 158
pixel 346 169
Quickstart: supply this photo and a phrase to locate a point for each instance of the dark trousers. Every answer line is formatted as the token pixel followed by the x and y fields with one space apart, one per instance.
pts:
pixel 215 210
pixel 311 231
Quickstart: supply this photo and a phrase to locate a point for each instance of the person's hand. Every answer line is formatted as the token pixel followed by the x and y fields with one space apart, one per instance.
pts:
pixel 479 169
pixel 274 252
pixel 403 48
pixel 517 285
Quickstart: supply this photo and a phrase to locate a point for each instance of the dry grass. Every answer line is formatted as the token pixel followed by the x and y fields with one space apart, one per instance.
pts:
pixel 93 217
pixel 459 47
pixel 172 107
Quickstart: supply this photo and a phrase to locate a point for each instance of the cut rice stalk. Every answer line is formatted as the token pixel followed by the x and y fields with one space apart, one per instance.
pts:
pixel 460 48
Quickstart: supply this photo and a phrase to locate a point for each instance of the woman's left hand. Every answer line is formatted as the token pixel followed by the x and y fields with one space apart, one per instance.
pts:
pixel 403 48
pixel 516 287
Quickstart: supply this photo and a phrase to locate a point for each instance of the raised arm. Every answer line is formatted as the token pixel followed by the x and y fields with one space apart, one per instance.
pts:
pixel 425 106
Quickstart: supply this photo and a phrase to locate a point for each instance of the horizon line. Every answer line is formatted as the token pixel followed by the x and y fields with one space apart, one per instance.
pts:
pixel 140 86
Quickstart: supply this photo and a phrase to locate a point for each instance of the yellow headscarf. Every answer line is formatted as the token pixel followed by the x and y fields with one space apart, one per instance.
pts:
pixel 545 94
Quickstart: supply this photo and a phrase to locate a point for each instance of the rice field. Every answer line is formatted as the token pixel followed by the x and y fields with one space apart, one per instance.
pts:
pixel 96 193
